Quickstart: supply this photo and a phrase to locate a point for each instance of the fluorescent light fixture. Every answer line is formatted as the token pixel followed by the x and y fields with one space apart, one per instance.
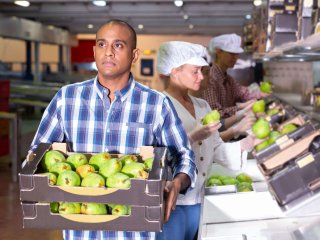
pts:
pixel 257 2
pixel 90 26
pixel 22 3
pixel 178 3
pixel 99 3
pixel 140 26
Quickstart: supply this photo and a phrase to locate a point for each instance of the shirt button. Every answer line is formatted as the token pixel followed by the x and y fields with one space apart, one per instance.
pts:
pixel 204 174
pixel 201 158
pixel 200 142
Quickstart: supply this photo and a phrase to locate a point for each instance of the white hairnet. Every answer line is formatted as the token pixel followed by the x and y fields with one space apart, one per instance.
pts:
pixel 227 42
pixel 174 54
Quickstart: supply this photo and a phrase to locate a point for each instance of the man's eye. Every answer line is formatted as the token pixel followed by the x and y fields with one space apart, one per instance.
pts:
pixel 100 44
pixel 118 45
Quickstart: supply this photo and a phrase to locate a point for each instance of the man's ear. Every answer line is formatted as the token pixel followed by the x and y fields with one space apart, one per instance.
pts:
pixel 94 51
pixel 135 54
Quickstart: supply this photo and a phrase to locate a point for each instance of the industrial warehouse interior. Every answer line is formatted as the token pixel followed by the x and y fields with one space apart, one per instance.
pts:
pixel 46 45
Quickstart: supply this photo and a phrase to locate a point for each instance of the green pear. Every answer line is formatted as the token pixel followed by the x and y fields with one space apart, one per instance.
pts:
pixel 76 160
pixel 118 180
pixel 272 111
pixel 273 136
pixel 242 177
pixel 211 117
pixel 93 208
pixel 50 158
pixel 148 163
pixel 68 178
pixel 99 159
pixel 85 170
pixel 52 178
pixel 244 187
pixel 128 159
pixel 214 182
pixel 229 181
pixel 262 145
pixel 261 128
pixel 288 128
pixel 110 167
pixel 120 210
pixel 59 167
pixel 259 106
pixel 69 208
pixel 54 207
pixel 135 170
pixel 93 180
pixel 266 87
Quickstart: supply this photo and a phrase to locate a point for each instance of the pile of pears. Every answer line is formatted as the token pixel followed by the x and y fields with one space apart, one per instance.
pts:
pixel 262 130
pixel 242 181
pixel 100 170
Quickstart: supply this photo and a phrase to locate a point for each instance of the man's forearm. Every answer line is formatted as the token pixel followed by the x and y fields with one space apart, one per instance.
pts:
pixel 183 181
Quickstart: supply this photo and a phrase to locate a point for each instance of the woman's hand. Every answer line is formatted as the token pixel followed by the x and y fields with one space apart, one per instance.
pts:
pixel 203 132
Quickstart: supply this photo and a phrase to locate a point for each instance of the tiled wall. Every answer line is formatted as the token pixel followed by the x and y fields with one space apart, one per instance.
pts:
pixel 292 77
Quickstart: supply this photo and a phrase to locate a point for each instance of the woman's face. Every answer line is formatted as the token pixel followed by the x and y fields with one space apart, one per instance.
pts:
pixel 189 77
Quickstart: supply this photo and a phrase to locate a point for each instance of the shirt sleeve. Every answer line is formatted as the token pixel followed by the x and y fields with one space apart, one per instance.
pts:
pixel 228 155
pixel 209 94
pixel 49 129
pixel 181 157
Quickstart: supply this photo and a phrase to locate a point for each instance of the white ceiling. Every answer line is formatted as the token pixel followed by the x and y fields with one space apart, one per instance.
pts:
pixel 209 18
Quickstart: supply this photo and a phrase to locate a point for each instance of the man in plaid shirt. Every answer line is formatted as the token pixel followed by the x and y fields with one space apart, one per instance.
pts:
pixel 222 92
pixel 116 114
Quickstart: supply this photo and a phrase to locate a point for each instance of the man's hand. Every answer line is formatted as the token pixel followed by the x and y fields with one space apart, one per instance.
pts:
pixel 245 124
pixel 244 111
pixel 172 190
pixel 247 104
pixel 263 94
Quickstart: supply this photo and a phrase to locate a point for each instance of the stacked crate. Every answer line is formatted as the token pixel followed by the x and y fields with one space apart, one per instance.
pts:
pixel 145 196
pixel 4 123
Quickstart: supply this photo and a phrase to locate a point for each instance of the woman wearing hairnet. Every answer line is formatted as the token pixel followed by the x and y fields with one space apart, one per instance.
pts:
pixel 180 63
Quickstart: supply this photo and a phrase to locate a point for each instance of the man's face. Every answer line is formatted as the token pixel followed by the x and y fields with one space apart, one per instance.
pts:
pixel 227 59
pixel 114 51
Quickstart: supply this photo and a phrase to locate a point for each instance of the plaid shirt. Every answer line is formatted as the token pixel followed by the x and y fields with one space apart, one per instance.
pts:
pixel 223 92
pixel 82 115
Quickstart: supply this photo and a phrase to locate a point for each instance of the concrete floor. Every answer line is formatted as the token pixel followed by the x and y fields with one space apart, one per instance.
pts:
pixel 11 212
pixel 11 224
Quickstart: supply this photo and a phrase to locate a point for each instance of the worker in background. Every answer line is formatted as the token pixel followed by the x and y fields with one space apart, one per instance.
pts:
pixel 179 65
pixel 222 92
pixel 114 113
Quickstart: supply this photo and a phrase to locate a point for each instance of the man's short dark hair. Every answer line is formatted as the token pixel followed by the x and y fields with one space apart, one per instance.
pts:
pixel 123 23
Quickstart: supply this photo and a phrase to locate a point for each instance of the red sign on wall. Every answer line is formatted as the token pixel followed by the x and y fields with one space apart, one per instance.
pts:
pixel 83 52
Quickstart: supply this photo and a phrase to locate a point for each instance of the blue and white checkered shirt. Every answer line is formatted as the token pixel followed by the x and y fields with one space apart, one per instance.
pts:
pixel 82 115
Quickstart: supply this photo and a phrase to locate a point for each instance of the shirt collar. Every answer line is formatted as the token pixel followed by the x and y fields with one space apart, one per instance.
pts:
pixel 122 94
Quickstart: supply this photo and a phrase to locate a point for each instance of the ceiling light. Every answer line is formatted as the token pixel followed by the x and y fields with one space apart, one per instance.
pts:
pixel 140 26
pixel 90 26
pixel 22 3
pixel 248 16
pixel 178 3
pixel 191 26
pixel 100 3
pixel 257 2
pixel 185 17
